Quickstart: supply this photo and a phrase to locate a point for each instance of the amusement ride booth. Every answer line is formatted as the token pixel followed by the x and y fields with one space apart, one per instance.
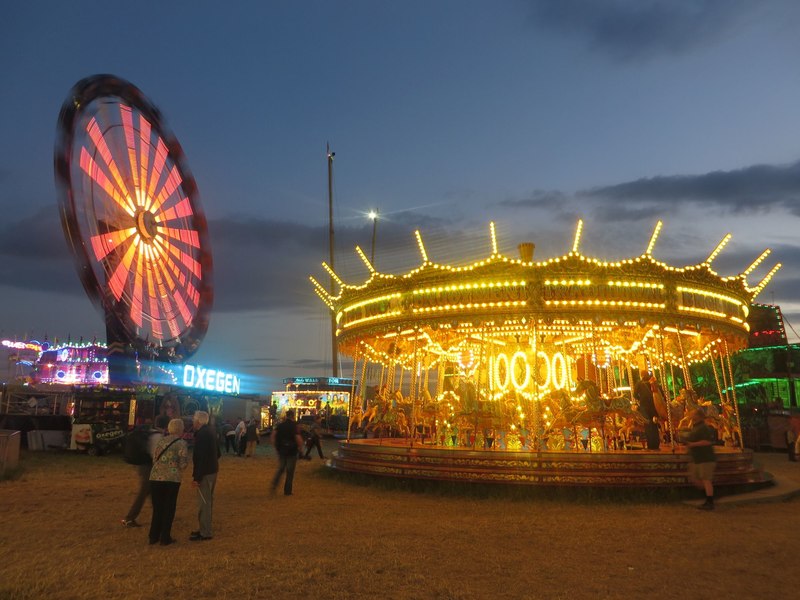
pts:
pixel 521 371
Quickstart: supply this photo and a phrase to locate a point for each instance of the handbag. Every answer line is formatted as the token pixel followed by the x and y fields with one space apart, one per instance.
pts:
pixel 164 451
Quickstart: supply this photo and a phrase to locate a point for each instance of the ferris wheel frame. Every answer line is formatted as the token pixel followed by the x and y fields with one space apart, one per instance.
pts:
pixel 121 326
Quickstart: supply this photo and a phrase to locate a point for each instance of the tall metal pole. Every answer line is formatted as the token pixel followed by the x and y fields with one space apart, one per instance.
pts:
pixel 374 216
pixel 334 347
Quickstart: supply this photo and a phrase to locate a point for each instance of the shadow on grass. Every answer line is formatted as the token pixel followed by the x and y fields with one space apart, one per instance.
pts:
pixel 510 492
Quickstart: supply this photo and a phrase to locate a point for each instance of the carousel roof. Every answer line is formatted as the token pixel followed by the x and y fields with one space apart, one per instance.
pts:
pixel 621 303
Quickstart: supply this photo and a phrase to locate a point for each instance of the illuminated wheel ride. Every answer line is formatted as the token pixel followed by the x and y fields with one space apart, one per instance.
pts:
pixel 521 371
pixel 132 217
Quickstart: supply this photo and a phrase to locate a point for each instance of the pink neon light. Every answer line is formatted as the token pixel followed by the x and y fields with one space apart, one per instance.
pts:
pixel 155 312
pixel 127 125
pixel 189 262
pixel 105 153
pixel 158 165
pixel 120 277
pixel 181 209
pixel 136 302
pixel 144 148
pixel 104 243
pixel 173 181
pixel 187 236
pixel 92 169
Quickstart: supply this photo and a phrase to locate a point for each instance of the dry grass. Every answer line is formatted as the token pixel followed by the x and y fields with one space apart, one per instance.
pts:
pixel 341 537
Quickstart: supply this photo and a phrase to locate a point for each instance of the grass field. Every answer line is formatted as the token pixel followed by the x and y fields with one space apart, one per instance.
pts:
pixel 350 537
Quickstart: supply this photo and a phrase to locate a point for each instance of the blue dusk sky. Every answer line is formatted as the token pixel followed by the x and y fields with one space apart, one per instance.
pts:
pixel 444 115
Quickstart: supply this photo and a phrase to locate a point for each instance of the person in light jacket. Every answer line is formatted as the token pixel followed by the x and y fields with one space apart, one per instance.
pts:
pixel 170 458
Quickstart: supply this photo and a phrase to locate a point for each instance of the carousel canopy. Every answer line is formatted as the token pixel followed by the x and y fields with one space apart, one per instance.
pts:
pixel 576 302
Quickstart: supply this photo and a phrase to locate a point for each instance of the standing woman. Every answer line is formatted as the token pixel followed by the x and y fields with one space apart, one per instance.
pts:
pixel 170 458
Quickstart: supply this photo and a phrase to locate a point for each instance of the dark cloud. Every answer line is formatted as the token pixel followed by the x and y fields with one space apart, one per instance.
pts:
pixel 631 30
pixel 37 236
pixel 759 188
pixel 34 254
pixel 547 199
pixel 259 264
pixel 288 366
pixel 263 264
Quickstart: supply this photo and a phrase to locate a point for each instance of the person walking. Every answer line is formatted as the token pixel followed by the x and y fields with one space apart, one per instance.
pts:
pixel 700 442
pixel 142 458
pixel 314 437
pixel 287 442
pixel 205 461
pixel 251 438
pixel 170 458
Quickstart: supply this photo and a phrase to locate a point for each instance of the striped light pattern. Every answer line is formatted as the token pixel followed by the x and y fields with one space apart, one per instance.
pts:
pixel 143 235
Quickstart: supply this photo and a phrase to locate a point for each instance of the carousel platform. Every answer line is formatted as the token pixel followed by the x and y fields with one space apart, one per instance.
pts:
pixel 395 457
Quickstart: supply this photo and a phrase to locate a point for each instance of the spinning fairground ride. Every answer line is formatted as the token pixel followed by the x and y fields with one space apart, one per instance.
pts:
pixel 520 371
pixel 132 217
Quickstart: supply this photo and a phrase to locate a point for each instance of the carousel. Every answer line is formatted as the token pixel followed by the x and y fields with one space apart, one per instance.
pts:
pixel 518 371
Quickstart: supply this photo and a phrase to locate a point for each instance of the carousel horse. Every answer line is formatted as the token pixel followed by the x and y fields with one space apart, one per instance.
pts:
pixel 370 413
pixel 728 428
pixel 724 422
pixel 357 414
pixel 434 416
pixel 381 418
pixel 614 412
pixel 692 403
pixel 401 424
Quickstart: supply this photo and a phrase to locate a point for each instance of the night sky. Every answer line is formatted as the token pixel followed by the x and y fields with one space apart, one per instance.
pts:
pixel 443 116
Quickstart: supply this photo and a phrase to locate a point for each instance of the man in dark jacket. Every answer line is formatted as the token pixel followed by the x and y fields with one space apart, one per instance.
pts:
pixel 644 394
pixel 700 442
pixel 205 460
pixel 287 441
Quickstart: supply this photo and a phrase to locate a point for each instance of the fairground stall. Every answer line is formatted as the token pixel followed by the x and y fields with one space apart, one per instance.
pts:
pixel 65 397
pixel 515 370
pixel 328 397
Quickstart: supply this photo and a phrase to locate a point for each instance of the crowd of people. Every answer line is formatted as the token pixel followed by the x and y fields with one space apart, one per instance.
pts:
pixel 164 455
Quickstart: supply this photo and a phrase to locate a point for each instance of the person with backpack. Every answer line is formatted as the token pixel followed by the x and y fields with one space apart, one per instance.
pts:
pixel 139 446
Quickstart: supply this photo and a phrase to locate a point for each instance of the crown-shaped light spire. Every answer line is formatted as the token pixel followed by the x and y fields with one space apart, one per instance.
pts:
pixel 653 238
pixel 365 259
pixel 578 231
pixel 333 275
pixel 322 292
pixel 756 262
pixel 763 283
pixel 493 237
pixel 718 249
pixel 421 246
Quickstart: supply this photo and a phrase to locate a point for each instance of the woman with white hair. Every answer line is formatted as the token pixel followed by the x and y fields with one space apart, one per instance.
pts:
pixel 170 457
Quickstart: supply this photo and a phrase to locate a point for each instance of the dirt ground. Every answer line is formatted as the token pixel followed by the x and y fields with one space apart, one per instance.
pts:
pixel 340 536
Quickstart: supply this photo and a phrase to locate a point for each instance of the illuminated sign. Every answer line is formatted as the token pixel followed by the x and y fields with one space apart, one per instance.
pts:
pixel 22 345
pixel 319 381
pixel 516 371
pixel 211 380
